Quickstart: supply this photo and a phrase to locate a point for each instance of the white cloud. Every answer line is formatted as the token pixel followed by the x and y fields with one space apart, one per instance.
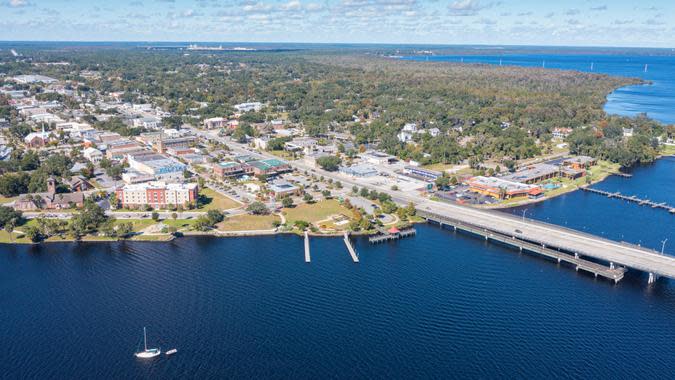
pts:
pixel 467 7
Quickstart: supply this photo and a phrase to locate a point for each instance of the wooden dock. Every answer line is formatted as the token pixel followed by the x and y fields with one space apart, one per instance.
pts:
pixel 307 257
pixel 384 235
pixel 350 248
pixel 631 198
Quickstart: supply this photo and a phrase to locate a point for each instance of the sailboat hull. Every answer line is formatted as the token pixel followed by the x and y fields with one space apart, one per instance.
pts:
pixel 149 354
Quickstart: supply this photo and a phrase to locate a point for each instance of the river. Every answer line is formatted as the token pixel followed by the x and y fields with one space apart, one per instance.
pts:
pixel 439 305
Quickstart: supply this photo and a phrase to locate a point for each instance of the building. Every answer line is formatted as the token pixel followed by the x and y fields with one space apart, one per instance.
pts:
pixel 270 166
pixel 378 158
pixel 580 162
pixel 51 200
pixel 30 79
pixel 261 142
pixel 306 145
pixel 363 170
pixel 134 176
pixel 231 169
pixel 534 173
pixel 500 188
pixel 157 194
pixel 38 139
pixel 92 154
pixel 246 107
pixel 627 132
pixel 561 133
pixel 157 165
pixel 423 174
pixel 118 150
pixel 215 123
pixel 283 188
pixel 147 122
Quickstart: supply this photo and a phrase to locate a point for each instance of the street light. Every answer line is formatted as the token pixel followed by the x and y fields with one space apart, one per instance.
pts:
pixel 663 245
pixel 524 211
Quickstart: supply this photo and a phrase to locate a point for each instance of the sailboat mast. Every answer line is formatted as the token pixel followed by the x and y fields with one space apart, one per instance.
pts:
pixel 145 340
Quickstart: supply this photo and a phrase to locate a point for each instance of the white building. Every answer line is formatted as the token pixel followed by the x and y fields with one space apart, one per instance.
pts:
pixel 92 154
pixel 246 107
pixel 215 123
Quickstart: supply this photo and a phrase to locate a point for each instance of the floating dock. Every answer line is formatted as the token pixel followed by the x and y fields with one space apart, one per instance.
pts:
pixel 632 198
pixel 388 235
pixel 307 257
pixel 350 248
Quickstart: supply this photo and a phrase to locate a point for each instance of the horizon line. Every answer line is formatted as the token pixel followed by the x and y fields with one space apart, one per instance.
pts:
pixel 343 43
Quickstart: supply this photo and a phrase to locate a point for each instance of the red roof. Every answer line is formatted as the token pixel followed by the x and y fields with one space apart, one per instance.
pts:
pixel 393 230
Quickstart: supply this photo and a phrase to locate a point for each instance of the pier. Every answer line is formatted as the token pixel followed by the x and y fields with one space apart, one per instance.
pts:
pixel 631 198
pixel 391 234
pixel 350 248
pixel 307 257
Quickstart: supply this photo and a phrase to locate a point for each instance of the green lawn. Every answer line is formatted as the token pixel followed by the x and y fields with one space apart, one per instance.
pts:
pixel 180 223
pixel 315 212
pixel 247 222
pixel 668 150
pixel 215 201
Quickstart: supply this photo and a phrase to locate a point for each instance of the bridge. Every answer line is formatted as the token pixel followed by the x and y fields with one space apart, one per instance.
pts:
pixel 525 233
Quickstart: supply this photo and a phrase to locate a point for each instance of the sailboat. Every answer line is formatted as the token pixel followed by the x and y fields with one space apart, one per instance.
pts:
pixel 147 353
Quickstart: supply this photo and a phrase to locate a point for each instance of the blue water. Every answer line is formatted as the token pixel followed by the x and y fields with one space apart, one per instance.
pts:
pixel 439 305
pixel 656 99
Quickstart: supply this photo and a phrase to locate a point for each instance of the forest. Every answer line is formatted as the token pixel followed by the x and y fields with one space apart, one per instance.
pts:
pixel 482 112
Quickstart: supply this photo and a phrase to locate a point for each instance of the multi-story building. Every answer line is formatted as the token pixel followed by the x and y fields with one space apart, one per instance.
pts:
pixel 158 165
pixel 157 194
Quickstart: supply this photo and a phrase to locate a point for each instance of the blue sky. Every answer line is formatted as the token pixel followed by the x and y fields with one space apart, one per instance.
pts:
pixel 575 22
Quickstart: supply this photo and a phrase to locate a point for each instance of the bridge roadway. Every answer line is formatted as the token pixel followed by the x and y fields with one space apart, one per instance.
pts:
pixel 549 235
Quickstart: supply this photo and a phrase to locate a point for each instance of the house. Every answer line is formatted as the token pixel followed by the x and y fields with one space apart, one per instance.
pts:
pixel 580 162
pixel 561 133
pixel 261 142
pixel 627 132
pixel 147 122
pixel 406 134
pixel 92 154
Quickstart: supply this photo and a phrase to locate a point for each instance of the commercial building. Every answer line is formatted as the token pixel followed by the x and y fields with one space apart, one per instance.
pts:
pixel 283 188
pixel 158 165
pixel 378 158
pixel 420 173
pixel 157 194
pixel 363 170
pixel 215 123
pixel 231 169
pixel 534 173
pixel 501 188
pixel 119 149
pixel 270 166
pixel 30 79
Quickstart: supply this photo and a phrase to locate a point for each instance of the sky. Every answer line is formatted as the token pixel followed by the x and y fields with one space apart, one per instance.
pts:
pixel 640 23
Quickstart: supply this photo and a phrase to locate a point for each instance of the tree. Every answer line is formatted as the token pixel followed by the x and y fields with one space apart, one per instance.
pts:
pixel 9 227
pixel 308 198
pixel 258 208
pixel 301 224
pixel 34 234
pixel 8 214
pixel 214 216
pixel 174 216
pixel 155 216
pixel 287 202
pixel 329 163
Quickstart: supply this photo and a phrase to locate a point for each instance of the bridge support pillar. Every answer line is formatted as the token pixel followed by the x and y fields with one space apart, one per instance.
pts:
pixel 576 255
pixel 559 260
pixel 611 265
pixel 652 278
